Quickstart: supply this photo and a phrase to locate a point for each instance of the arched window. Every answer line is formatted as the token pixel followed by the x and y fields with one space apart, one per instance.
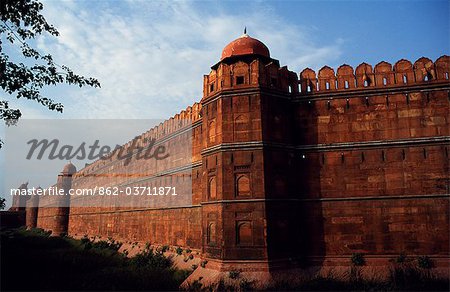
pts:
pixel 346 84
pixel 212 188
pixel 212 132
pixel 446 75
pixel 366 83
pixel 211 233
pixel 327 85
pixel 244 234
pixel 405 80
pixel 426 77
pixel 289 89
pixel 242 185
pixel 308 88
pixel 384 81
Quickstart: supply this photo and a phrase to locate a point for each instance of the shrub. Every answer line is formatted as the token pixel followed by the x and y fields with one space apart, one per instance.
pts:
pixel 179 250
pixel 148 259
pixel 246 285
pixel 425 262
pixel 401 258
pixel 203 263
pixel 85 240
pixel 358 259
pixel 103 244
pixel 234 274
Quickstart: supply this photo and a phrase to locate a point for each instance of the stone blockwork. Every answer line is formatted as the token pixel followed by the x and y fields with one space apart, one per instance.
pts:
pixel 289 168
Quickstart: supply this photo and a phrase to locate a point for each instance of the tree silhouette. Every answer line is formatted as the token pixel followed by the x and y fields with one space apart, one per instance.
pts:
pixel 21 21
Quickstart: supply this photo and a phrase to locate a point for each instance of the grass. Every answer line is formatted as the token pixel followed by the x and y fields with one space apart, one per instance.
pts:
pixel 31 260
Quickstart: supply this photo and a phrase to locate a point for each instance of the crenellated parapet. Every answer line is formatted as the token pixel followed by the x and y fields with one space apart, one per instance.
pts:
pixel 382 75
pixel 249 73
pixel 185 119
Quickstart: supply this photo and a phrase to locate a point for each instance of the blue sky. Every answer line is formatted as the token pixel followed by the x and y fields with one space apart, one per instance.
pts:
pixel 150 56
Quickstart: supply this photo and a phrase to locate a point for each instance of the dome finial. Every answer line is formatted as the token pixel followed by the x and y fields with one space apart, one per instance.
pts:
pixel 245 30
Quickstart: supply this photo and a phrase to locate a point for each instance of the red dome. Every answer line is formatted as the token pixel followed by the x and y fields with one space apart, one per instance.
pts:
pixel 245 45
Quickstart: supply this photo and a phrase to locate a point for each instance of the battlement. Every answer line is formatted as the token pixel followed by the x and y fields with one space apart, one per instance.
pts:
pixel 249 73
pixel 179 121
pixel 382 75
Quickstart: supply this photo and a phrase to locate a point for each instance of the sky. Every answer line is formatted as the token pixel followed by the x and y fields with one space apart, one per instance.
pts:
pixel 150 56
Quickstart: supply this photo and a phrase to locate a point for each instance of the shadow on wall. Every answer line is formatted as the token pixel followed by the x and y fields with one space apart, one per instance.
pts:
pixel 295 232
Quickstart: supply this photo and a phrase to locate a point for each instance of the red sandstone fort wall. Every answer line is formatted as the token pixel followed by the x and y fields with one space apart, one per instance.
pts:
pixel 360 157
pixel 367 162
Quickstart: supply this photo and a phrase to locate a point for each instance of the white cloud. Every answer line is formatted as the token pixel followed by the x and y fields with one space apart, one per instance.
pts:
pixel 150 56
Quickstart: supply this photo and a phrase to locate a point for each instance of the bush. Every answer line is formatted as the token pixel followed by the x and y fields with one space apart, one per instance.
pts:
pixel 179 250
pixel 203 263
pixel 111 244
pixel 234 274
pixel 401 258
pixel 147 259
pixel 358 259
pixel 425 262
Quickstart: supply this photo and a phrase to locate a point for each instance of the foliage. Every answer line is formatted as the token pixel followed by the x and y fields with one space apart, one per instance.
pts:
pixel 425 262
pixel 63 264
pixel 234 274
pixel 147 259
pixel 203 263
pixel 2 203
pixel 401 258
pixel 179 250
pixel 21 22
pixel 358 259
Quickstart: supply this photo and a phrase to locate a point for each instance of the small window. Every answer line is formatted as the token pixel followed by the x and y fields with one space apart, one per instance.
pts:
pixel 425 78
pixel 289 89
pixel 384 81
pixel 211 87
pixel 346 84
pixel 405 80
pixel 239 80
pixel 446 75
pixel 327 85
pixel 309 88
pixel 366 83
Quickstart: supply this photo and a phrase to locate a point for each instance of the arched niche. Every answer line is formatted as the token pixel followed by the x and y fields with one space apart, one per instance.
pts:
pixel 308 80
pixel 346 77
pixel 242 185
pixel 327 79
